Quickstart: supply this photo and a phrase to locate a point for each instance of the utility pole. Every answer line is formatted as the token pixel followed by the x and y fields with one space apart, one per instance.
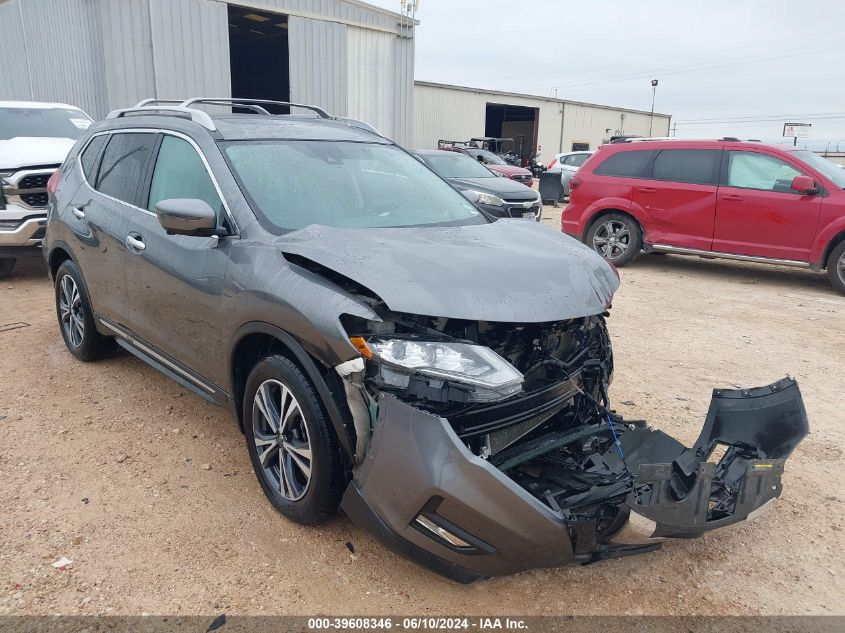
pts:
pixel 653 93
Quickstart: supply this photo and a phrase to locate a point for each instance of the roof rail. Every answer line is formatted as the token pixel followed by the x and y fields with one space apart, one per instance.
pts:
pixel 183 108
pixel 257 102
pixel 197 116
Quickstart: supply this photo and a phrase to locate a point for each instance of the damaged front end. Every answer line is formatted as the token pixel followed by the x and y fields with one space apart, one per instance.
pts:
pixel 475 470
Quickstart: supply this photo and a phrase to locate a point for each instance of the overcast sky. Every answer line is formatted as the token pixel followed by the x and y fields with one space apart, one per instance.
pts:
pixel 715 59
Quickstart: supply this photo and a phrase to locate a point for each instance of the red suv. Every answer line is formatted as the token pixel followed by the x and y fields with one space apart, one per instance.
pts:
pixel 731 199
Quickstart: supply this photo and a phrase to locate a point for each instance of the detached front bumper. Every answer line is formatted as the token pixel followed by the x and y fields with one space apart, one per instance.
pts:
pixel 426 496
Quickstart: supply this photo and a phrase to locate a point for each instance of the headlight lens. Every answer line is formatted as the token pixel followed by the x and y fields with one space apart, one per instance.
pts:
pixel 492 377
pixel 489 198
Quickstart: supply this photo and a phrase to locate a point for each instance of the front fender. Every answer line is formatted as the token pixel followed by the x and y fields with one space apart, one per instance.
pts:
pixel 824 238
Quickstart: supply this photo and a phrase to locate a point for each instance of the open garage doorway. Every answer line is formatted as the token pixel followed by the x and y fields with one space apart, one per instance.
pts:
pixel 516 122
pixel 259 56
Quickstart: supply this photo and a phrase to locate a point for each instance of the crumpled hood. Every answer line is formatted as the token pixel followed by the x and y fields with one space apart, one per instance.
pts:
pixel 26 151
pixel 510 271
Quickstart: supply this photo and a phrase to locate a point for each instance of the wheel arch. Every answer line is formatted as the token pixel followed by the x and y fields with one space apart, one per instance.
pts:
pixel 598 215
pixel 256 340
pixel 59 253
pixel 835 241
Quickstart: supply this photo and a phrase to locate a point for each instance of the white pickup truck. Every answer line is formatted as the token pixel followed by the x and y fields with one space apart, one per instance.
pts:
pixel 34 140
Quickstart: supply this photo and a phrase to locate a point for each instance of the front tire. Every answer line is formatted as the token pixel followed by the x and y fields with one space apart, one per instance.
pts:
pixel 616 237
pixel 76 318
pixel 836 267
pixel 291 443
pixel 7 265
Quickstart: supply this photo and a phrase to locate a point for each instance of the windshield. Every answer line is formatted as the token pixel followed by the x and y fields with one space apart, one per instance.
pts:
pixel 489 157
pixel 42 122
pixel 828 168
pixel 294 184
pixel 454 165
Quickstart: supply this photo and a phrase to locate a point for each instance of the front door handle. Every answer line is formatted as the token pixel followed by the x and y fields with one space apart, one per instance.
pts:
pixel 135 243
pixel 732 198
pixel 645 190
pixel 79 213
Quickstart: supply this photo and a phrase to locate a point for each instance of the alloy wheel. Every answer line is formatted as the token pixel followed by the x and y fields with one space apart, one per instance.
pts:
pixel 70 309
pixel 612 239
pixel 281 439
pixel 840 267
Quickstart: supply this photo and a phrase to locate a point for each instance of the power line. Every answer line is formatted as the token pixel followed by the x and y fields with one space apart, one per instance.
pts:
pixel 817 48
pixel 765 43
pixel 752 117
pixel 757 121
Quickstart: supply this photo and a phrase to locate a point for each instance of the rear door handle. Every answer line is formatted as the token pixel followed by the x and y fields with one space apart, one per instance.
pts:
pixel 645 190
pixel 135 243
pixel 732 198
pixel 79 213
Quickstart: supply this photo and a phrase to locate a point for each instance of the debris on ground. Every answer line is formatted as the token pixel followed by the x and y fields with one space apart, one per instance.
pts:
pixel 63 563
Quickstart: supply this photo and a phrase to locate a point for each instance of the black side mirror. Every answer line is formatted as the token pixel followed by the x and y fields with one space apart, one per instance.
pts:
pixel 188 216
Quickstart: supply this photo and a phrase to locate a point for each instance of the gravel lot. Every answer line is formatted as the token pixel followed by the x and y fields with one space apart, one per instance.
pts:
pixel 149 489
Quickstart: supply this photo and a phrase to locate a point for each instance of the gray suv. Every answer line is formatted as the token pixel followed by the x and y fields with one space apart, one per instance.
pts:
pixel 385 346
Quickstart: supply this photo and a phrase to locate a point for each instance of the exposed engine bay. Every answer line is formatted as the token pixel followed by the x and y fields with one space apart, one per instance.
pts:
pixel 559 439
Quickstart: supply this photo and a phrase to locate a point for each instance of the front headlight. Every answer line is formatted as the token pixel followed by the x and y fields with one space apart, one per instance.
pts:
pixel 489 198
pixel 490 376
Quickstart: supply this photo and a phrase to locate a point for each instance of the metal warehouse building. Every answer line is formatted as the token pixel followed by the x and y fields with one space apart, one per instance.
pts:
pixel 352 58
pixel 459 113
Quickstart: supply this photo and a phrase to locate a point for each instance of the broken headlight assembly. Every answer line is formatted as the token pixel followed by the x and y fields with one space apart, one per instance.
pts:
pixel 476 371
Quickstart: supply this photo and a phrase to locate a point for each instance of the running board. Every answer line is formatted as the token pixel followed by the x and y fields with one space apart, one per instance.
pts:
pixel 680 250
pixel 170 369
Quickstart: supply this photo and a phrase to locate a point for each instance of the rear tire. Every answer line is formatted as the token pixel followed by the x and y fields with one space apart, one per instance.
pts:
pixel 616 237
pixel 291 442
pixel 76 318
pixel 836 267
pixel 7 265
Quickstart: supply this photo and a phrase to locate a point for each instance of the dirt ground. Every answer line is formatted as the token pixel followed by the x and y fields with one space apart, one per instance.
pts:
pixel 149 489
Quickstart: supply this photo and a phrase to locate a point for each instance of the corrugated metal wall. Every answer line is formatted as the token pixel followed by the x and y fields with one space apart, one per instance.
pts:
pixel 348 57
pixel 190 41
pixel 52 51
pixel 457 113
pixel 318 64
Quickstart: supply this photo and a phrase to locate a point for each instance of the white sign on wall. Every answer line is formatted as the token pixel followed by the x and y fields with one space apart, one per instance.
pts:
pixel 799 130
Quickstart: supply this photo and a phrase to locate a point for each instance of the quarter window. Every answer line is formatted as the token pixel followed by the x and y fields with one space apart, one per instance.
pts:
pixel 630 164
pixel 180 173
pixel 122 168
pixel 90 155
pixel 696 166
pixel 751 170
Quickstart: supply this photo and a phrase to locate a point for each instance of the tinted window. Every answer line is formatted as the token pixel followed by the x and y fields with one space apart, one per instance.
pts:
pixel 576 160
pixel 698 166
pixel 630 164
pixel 123 164
pixel 751 170
pixel 90 155
pixel 346 185
pixel 180 173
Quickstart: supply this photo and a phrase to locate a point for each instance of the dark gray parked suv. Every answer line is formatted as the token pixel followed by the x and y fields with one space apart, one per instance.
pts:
pixel 386 347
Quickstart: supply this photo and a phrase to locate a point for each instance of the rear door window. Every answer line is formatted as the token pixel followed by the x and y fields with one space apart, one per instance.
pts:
pixel 180 173
pixel 89 157
pixel 695 166
pixel 124 165
pixel 630 164
pixel 752 170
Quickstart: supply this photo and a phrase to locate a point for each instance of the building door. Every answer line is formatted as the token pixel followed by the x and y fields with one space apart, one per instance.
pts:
pixel 259 58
